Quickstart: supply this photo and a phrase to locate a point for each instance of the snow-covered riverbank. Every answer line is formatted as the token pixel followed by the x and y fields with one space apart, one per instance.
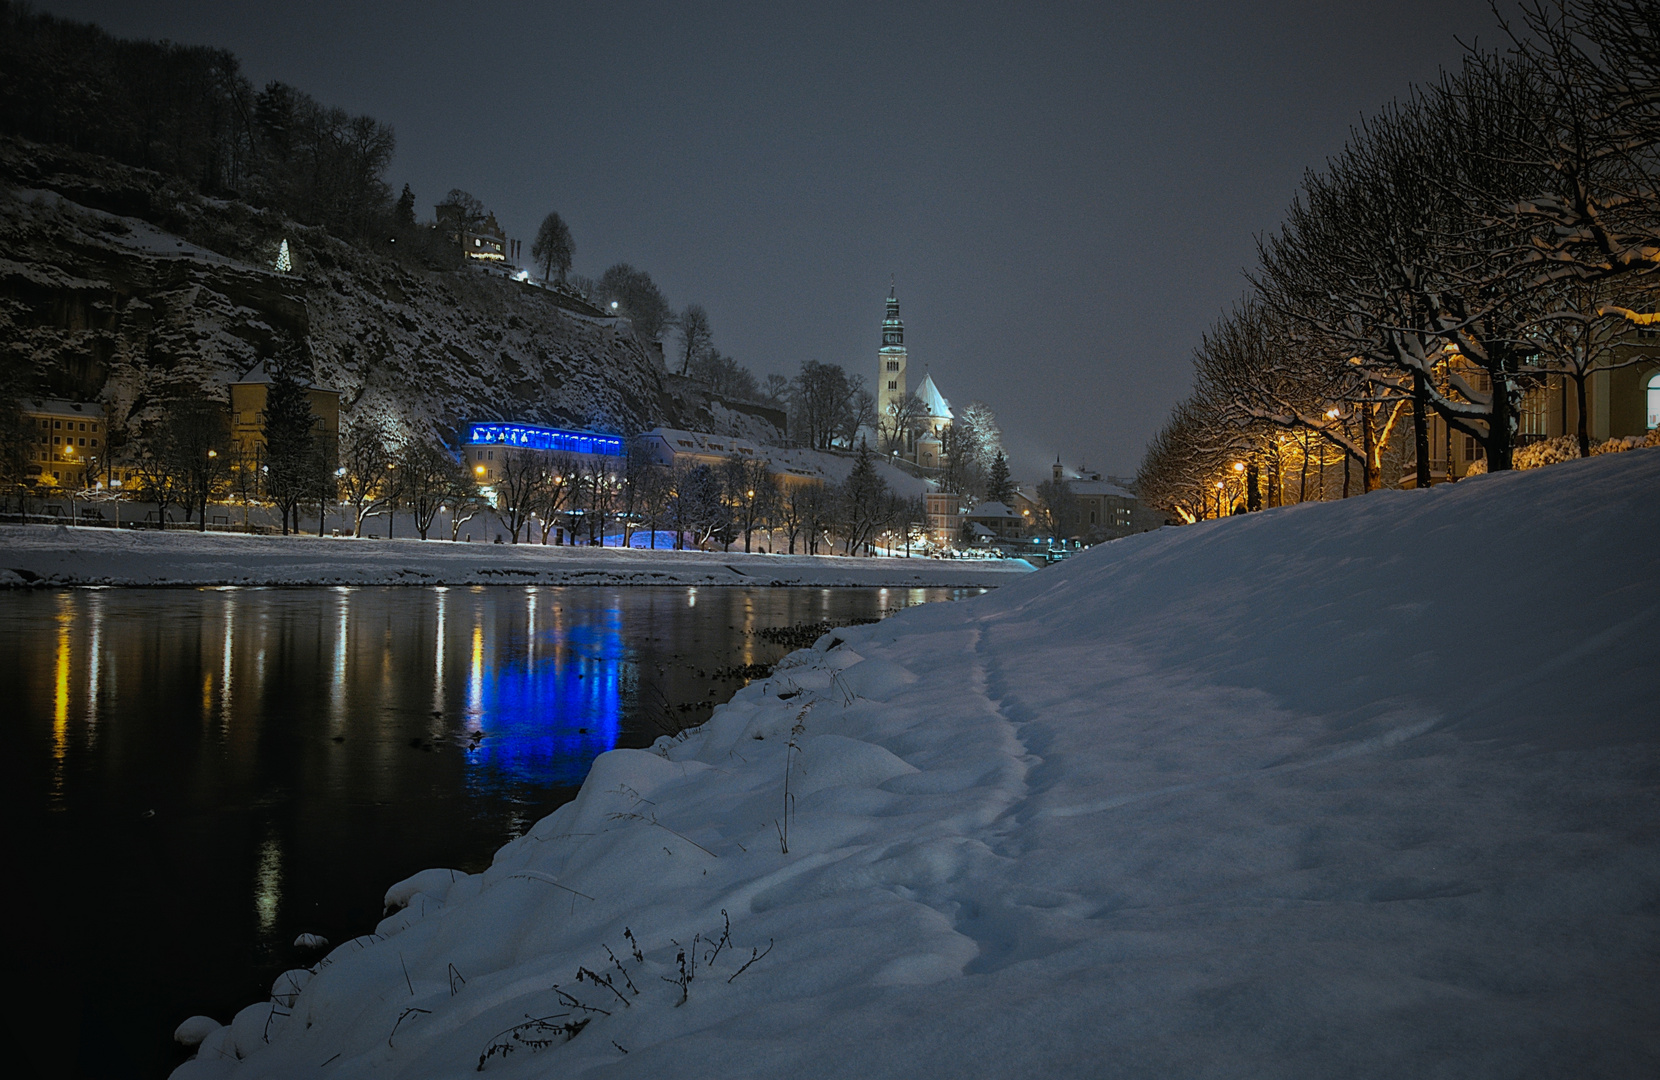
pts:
pixel 1349 789
pixel 56 555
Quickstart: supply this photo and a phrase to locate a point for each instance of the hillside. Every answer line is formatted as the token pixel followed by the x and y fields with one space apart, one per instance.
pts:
pixel 123 284
pixel 1361 789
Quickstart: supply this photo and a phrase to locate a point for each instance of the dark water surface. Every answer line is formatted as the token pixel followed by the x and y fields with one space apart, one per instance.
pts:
pixel 195 776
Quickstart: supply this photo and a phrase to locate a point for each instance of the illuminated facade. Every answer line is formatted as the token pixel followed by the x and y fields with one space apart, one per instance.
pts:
pixel 922 442
pixel 66 444
pixel 484 438
pixel 891 386
pixel 248 397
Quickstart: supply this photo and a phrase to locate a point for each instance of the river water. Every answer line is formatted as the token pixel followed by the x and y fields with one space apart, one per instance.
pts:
pixel 196 776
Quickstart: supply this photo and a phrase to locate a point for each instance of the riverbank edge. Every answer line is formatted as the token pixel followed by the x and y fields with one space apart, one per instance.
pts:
pixel 40 558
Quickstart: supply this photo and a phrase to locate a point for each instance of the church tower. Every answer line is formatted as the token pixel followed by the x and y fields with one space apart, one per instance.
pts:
pixel 890 361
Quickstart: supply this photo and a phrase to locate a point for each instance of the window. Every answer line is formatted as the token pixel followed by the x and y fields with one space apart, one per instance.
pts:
pixel 893 365
pixel 56 424
pixel 1654 401
pixel 1534 418
pixel 893 384
pixel 1473 451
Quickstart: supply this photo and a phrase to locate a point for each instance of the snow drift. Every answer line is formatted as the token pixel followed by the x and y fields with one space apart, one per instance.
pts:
pixel 1350 789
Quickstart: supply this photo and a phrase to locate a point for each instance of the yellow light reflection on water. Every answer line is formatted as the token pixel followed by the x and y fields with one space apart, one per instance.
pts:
pixel 60 698
pixel 268 885
pixel 475 676
pixel 226 648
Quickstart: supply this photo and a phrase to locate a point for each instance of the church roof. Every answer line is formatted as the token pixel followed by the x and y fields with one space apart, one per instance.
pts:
pixel 932 399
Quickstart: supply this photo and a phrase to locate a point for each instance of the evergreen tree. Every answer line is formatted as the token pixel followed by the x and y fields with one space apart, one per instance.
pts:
pixel 288 422
pixel 403 213
pixel 999 488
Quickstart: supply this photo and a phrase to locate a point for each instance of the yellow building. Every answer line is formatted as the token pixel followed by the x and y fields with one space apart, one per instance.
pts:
pixel 68 445
pixel 248 397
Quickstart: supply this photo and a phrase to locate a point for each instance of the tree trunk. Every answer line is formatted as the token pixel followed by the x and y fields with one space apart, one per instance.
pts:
pixel 1501 427
pixel 1302 481
pixel 1420 428
pixel 1253 497
pixel 1372 478
pixel 1583 429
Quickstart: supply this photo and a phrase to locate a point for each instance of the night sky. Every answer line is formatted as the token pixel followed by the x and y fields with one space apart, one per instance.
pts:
pixel 1066 195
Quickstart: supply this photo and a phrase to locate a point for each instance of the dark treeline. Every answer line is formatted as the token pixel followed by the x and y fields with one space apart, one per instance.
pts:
pixel 187 111
pixel 1491 235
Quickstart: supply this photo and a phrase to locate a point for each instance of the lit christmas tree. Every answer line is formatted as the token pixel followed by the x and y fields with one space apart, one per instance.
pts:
pixel 285 261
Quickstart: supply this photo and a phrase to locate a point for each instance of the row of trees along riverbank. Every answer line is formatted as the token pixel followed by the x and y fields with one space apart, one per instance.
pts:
pixel 1487 234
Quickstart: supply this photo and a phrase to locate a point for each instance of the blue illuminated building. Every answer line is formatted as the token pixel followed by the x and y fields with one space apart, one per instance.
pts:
pixel 535 437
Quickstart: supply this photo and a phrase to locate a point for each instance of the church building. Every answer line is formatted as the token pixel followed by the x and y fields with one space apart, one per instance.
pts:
pixel 910 423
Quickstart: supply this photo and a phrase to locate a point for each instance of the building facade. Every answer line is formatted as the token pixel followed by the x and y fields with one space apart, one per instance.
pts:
pixel 486 438
pixel 68 444
pixel 248 398
pixel 912 431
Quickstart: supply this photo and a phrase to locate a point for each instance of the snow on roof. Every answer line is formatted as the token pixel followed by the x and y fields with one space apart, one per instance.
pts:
pixel 991 509
pixel 260 375
pixel 932 399
pixel 59 407
pixel 1099 487
pixel 700 442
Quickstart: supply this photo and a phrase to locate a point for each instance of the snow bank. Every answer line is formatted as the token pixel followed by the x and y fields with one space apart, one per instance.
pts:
pixel 1347 789
pixel 38 555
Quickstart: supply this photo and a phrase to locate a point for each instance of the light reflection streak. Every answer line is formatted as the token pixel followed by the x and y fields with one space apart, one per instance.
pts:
pixel 337 690
pixel 95 666
pixel 225 664
pixel 60 699
pixel 475 677
pixel 268 885
pixel 438 655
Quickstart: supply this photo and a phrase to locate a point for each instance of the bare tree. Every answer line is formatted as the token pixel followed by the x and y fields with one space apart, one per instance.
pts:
pixel 553 248
pixel 696 336
pixel 366 463
pixel 521 473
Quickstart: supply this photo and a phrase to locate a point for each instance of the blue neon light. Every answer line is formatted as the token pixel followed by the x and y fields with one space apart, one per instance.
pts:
pixel 533 437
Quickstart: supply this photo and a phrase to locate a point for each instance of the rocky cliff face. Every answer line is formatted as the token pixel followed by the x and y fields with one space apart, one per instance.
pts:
pixel 120 285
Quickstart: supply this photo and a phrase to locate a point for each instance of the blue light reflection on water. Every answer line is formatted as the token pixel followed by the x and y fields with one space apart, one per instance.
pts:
pixel 549 707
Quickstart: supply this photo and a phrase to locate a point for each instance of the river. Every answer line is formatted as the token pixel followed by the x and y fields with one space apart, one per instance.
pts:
pixel 197 776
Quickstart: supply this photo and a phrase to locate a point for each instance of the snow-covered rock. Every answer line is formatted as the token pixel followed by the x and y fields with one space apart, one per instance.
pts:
pixel 1346 789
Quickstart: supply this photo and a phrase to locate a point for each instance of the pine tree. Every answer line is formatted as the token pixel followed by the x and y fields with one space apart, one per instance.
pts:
pixel 403 214
pixel 999 488
pixel 288 422
pixel 285 261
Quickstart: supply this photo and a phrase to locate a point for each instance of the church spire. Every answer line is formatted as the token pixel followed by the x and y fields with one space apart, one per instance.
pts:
pixel 893 331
